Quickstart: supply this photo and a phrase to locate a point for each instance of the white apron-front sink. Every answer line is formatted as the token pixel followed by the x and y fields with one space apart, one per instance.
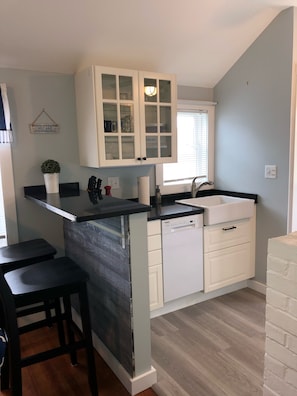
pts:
pixel 221 208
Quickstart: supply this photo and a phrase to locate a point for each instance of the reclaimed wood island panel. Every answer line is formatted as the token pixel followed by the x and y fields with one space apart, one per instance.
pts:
pixel 112 247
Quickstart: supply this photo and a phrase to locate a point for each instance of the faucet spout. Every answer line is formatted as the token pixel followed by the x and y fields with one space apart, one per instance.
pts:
pixel 195 189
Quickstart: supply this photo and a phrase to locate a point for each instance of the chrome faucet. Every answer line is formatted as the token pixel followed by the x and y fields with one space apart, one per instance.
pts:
pixel 195 189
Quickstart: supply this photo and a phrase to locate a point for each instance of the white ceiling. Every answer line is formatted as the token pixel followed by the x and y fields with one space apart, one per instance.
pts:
pixel 198 40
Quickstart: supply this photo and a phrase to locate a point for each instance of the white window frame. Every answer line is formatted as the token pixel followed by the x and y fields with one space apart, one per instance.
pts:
pixel 186 187
pixel 7 179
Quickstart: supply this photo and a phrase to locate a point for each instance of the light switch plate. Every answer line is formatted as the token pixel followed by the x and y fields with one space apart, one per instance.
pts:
pixel 114 182
pixel 270 171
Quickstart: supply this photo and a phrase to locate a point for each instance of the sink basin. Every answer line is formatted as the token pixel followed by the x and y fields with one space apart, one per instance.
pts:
pixel 221 208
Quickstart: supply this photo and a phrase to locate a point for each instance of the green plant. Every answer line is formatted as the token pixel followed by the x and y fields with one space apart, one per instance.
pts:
pixel 50 166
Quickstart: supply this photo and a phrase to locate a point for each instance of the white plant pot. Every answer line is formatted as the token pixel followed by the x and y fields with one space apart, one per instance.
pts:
pixel 51 181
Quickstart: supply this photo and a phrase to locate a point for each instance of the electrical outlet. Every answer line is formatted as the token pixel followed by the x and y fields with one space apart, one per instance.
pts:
pixel 114 182
pixel 270 171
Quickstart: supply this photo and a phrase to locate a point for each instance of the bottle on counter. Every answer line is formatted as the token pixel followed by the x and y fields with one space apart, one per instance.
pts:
pixel 158 196
pixel 108 190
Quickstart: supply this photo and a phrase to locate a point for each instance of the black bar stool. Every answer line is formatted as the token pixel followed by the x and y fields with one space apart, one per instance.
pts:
pixel 24 253
pixel 50 280
pixel 16 256
pixel 20 255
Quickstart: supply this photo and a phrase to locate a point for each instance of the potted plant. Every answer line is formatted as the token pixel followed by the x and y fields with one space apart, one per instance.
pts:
pixel 51 169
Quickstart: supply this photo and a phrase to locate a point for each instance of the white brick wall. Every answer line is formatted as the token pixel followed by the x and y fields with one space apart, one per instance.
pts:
pixel 280 373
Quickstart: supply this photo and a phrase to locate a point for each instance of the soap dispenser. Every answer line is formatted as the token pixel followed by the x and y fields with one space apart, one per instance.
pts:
pixel 158 196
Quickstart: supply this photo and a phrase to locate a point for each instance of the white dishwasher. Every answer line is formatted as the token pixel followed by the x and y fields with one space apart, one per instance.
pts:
pixel 182 246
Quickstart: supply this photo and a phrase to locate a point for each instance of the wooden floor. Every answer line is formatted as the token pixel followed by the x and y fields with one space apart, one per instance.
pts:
pixel 214 348
pixel 57 377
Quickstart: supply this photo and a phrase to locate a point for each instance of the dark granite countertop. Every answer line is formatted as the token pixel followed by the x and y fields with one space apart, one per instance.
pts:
pixel 169 211
pixel 77 205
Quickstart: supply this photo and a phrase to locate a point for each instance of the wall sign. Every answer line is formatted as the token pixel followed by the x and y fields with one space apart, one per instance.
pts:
pixel 44 123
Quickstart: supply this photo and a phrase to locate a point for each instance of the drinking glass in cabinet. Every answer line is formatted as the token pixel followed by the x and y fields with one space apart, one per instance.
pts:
pixel 110 117
pixel 109 90
pixel 126 112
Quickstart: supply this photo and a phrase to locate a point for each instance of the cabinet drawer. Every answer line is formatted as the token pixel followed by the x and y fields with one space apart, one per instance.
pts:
pixel 154 242
pixel 154 257
pixel 226 234
pixel 154 227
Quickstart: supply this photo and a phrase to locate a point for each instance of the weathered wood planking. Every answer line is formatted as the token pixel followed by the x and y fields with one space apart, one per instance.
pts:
pixel 97 247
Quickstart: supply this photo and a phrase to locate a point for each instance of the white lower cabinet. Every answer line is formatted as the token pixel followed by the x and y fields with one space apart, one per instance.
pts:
pixel 228 253
pixel 155 264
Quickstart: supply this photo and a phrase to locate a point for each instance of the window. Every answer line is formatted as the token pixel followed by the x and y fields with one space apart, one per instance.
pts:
pixel 8 218
pixel 3 237
pixel 195 149
pixel 8 208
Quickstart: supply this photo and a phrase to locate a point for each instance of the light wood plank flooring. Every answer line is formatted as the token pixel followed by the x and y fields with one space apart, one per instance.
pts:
pixel 213 348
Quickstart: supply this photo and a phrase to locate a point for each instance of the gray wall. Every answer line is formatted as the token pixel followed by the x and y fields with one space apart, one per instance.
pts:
pixel 253 129
pixel 195 93
pixel 29 92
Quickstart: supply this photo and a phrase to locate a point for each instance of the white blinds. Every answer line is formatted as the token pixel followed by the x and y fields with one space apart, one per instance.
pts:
pixel 192 132
pixel 5 124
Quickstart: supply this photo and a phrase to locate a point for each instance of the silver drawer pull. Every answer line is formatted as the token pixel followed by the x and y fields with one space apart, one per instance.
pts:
pixel 229 228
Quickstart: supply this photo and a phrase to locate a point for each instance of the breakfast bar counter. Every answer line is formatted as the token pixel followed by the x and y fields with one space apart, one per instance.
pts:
pixel 78 205
pixel 108 238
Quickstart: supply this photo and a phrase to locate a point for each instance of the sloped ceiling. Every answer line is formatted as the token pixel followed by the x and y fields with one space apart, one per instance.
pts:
pixel 198 40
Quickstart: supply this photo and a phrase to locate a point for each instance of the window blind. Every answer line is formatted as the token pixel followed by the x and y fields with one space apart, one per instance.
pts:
pixel 192 135
pixel 5 125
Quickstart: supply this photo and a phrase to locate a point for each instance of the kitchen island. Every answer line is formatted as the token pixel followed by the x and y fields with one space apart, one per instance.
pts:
pixel 108 238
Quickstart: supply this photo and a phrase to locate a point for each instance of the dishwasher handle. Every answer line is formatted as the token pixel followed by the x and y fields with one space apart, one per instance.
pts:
pixel 183 227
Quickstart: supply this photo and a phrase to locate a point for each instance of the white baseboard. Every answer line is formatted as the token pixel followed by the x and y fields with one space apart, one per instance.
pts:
pixel 133 385
pixel 201 296
pixel 257 286
pixel 196 298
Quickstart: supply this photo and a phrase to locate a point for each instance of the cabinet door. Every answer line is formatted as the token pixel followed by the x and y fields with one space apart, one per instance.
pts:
pixel 227 266
pixel 157 94
pixel 156 287
pixel 118 116
pixel 155 264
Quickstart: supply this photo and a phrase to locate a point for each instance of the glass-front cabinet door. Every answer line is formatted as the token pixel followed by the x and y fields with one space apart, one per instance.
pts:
pixel 125 117
pixel 118 116
pixel 157 94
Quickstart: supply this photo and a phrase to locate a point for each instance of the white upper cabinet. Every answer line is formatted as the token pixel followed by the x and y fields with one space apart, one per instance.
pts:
pixel 120 124
pixel 157 95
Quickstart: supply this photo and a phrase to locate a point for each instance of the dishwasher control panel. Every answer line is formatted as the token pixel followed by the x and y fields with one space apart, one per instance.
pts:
pixel 192 221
